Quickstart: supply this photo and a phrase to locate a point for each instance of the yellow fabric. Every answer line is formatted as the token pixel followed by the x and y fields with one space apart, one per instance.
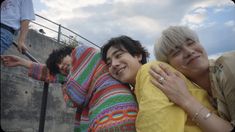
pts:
pixel 156 112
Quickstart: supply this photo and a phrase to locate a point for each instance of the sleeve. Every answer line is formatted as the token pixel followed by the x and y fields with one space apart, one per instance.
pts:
pixel 226 77
pixel 40 72
pixel 156 112
pixel 67 100
pixel 27 10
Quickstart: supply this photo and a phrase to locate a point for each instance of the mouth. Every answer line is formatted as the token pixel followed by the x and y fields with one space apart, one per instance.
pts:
pixel 192 59
pixel 120 70
pixel 66 69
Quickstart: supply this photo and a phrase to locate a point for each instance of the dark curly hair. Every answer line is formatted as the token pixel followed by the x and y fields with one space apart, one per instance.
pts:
pixel 134 47
pixel 56 57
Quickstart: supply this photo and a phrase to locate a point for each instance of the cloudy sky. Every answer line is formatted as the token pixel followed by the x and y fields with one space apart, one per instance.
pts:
pixel 99 20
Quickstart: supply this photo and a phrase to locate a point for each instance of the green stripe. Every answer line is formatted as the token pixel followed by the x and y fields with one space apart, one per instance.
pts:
pixel 112 102
pixel 82 128
pixel 91 65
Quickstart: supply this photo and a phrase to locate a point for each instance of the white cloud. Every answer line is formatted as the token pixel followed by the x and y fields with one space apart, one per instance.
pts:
pixel 194 18
pixel 215 56
pixel 230 23
pixel 218 3
pixel 218 10
pixel 98 20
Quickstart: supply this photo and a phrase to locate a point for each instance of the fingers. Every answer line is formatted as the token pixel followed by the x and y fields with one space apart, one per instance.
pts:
pixel 166 69
pixel 156 83
pixel 158 75
pixel 178 74
pixel 9 60
pixel 22 48
pixel 158 72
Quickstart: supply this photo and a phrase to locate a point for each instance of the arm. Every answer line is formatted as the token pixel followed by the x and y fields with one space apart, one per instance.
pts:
pixel 26 15
pixel 174 87
pixel 225 76
pixel 156 112
pixel 36 70
pixel 41 72
pixel 23 33
pixel 14 61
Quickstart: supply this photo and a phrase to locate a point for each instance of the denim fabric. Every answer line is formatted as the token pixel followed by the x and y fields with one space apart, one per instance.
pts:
pixel 6 39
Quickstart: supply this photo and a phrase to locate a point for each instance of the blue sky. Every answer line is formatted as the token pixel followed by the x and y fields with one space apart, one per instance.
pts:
pixel 99 20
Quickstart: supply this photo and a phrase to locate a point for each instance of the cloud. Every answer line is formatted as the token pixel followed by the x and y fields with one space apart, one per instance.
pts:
pixel 230 24
pixel 99 20
pixel 215 56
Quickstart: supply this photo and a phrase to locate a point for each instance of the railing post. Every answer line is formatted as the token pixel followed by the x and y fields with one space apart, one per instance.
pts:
pixel 59 32
pixel 44 95
pixel 43 107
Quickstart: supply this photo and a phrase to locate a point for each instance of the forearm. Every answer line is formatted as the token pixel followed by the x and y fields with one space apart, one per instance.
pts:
pixel 23 30
pixel 26 63
pixel 204 118
pixel 41 72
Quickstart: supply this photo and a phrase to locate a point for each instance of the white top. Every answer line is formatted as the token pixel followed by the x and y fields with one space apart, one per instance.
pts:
pixel 14 11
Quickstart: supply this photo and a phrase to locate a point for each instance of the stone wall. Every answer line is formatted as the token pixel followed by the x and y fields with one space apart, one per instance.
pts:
pixel 21 96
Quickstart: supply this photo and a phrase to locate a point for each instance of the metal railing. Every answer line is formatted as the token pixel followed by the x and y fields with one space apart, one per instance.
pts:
pixel 60 33
pixel 44 95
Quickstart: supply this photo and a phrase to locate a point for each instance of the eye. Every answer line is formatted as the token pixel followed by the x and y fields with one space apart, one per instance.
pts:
pixel 108 62
pixel 118 55
pixel 190 42
pixel 176 52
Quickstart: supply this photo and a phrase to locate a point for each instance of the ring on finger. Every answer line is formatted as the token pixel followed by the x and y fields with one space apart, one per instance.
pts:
pixel 161 79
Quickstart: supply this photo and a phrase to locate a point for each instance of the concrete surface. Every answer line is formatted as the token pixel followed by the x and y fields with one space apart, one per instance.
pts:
pixel 21 96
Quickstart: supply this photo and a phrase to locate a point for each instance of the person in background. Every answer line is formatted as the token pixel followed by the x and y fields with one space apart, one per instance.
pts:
pixel 180 47
pixel 103 104
pixel 126 59
pixel 15 16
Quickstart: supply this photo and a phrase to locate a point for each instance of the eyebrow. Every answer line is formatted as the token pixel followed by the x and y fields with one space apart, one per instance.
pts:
pixel 115 52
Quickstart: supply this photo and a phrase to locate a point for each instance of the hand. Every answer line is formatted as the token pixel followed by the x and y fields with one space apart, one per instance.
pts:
pixel 21 46
pixel 11 60
pixel 171 84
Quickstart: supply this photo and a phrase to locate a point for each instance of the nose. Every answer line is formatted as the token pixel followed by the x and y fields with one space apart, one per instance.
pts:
pixel 61 66
pixel 115 63
pixel 187 51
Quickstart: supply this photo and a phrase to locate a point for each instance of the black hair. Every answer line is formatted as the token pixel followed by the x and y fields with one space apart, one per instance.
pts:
pixel 134 47
pixel 56 57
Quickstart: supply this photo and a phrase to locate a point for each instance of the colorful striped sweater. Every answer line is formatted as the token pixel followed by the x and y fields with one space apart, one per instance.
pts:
pixel 103 104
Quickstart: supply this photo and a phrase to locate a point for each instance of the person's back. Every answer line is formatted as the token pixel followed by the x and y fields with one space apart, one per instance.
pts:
pixel 105 104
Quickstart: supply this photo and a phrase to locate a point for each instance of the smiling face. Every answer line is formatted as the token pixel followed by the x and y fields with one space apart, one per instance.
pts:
pixel 189 58
pixel 65 65
pixel 122 65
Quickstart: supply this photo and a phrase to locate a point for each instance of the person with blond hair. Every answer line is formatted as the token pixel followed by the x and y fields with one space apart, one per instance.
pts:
pixel 180 47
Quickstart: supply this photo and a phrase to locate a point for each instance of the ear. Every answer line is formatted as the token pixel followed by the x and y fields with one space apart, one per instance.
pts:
pixel 139 57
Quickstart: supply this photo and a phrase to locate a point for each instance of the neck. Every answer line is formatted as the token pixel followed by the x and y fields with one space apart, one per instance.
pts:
pixel 203 80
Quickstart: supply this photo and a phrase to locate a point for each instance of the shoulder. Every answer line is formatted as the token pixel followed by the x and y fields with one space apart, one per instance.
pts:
pixel 226 57
pixel 226 60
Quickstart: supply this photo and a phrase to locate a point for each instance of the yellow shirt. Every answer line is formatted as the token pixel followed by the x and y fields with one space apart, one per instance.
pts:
pixel 156 112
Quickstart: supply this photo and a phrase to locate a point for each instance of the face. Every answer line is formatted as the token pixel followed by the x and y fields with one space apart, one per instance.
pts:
pixel 65 65
pixel 190 59
pixel 122 65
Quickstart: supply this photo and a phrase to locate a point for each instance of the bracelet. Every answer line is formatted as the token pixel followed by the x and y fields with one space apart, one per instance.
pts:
pixel 197 113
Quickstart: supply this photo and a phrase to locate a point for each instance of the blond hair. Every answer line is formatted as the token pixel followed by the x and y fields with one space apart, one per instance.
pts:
pixel 172 37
